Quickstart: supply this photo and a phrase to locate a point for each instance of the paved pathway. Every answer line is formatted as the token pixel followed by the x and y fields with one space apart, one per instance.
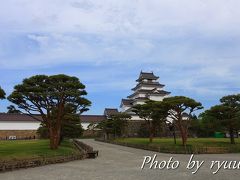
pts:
pixel 123 163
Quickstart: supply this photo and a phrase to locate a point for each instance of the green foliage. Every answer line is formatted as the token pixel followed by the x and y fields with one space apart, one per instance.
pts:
pixel 203 142
pixel 49 96
pixel 231 100
pixel 225 116
pixel 71 125
pixel 12 109
pixel 2 93
pixel 154 113
pixel 43 131
pixel 119 122
pixel 42 93
pixel 197 145
pixel 115 125
pixel 143 131
pixel 152 110
pixel 178 107
pixel 182 104
pixel 207 125
pixel 195 126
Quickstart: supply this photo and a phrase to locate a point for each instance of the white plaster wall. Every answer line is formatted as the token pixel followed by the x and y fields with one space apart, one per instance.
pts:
pixel 138 102
pixel 156 98
pixel 149 88
pixel 25 125
pixel 135 117
pixel 85 125
pixel 146 88
pixel 124 108
pixel 16 125
pixel 139 95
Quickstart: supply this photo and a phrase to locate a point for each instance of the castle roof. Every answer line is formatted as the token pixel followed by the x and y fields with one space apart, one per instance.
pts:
pixel 127 102
pixel 19 117
pixel 92 118
pixel 148 84
pixel 110 111
pixel 141 99
pixel 147 75
pixel 13 117
pixel 150 92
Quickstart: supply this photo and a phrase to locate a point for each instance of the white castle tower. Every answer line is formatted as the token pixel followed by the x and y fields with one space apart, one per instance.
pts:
pixel 147 88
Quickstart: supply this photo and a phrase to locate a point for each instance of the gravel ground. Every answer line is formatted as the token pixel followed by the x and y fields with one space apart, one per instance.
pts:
pixel 123 163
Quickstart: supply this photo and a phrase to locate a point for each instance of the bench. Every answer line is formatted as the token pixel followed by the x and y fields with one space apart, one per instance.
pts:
pixel 93 154
pixel 86 148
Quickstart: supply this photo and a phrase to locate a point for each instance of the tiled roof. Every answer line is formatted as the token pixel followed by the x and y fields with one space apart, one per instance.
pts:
pixel 24 117
pixel 141 98
pixel 160 92
pixel 18 117
pixel 127 102
pixel 149 92
pixel 110 111
pixel 148 84
pixel 147 75
pixel 92 118
pixel 140 91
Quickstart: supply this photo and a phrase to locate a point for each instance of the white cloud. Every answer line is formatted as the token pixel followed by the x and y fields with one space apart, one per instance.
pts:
pixel 114 17
pixel 195 42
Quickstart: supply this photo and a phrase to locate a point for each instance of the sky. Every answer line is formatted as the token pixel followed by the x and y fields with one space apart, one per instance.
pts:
pixel 193 46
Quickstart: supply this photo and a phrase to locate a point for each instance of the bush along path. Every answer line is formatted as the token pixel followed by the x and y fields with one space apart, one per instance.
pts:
pixel 165 145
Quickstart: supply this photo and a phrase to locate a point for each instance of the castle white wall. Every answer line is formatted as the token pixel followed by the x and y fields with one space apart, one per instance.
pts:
pixel 148 88
pixel 139 95
pixel 135 117
pixel 124 108
pixel 85 125
pixel 138 102
pixel 26 125
pixel 156 98
pixel 19 125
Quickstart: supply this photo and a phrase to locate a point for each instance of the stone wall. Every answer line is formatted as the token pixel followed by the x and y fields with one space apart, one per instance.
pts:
pixel 91 133
pixel 133 128
pixel 20 134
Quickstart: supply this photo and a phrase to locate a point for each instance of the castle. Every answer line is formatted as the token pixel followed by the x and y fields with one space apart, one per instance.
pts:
pixel 147 88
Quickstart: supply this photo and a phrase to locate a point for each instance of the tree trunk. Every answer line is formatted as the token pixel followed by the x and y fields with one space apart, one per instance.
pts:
pixel 231 132
pixel 60 140
pixel 54 135
pixel 183 134
pixel 174 135
pixel 150 132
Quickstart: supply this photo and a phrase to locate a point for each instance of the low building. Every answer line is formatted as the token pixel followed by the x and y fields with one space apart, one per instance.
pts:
pixel 18 126
pixel 86 120
pixel 108 112
pixel 23 126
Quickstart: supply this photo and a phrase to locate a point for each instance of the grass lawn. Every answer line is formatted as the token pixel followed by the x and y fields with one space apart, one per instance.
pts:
pixel 25 149
pixel 193 142
pixel 213 142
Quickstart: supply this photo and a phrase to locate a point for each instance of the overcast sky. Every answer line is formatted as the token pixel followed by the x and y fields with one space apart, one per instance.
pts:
pixel 193 45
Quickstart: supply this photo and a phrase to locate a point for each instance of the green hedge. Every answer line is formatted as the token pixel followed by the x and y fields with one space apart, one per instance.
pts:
pixel 189 149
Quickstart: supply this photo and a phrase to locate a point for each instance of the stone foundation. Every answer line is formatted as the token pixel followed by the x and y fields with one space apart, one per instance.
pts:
pixel 133 128
pixel 91 133
pixel 139 128
pixel 19 134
